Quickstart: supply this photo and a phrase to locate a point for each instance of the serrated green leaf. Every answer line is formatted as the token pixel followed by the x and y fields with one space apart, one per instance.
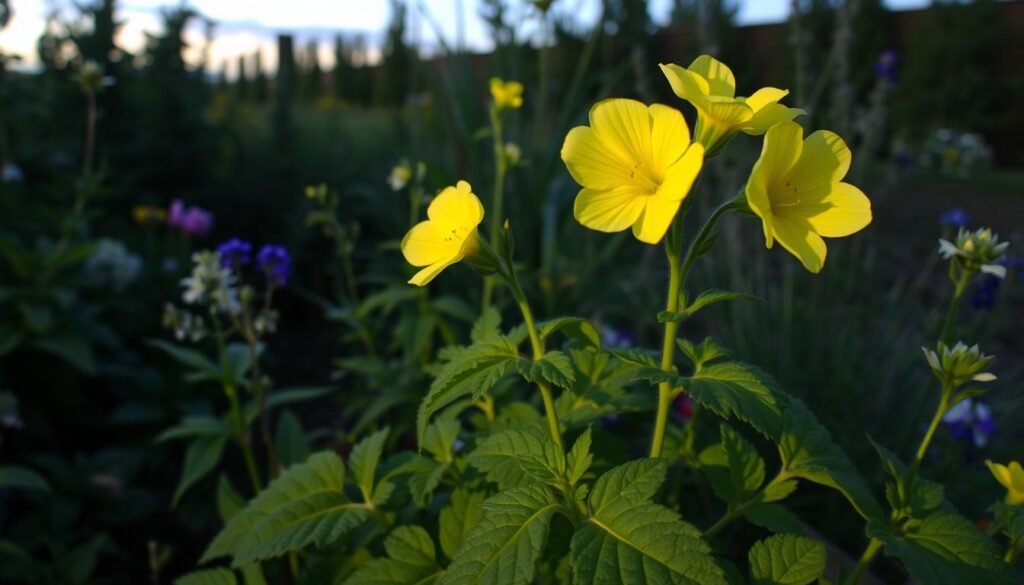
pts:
pixel 473 370
pixel 786 559
pixel 201 456
pixel 22 478
pixel 925 495
pixel 487 327
pixel 458 518
pixel 579 459
pixel 1011 518
pixel 284 396
pixel 945 549
pixel 773 517
pixel 734 467
pixel 440 439
pixel 706 298
pixel 575 328
pixel 554 367
pixel 363 462
pixel 188 357
pixel 305 505
pixel 514 458
pixel 423 482
pixel 208 577
pixel 635 357
pixel 229 501
pixel 807 452
pixel 734 389
pixel 628 539
pixel 410 561
pixel 504 547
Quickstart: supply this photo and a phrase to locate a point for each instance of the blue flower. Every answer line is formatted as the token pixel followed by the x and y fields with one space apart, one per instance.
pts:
pixel 276 262
pixel 984 297
pixel 955 217
pixel 886 67
pixel 235 253
pixel 971 421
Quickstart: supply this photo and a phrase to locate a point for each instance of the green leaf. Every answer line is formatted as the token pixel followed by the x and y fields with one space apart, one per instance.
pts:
pixel 487 327
pixel 197 426
pixel 305 505
pixel 739 390
pixel 290 442
pixel 208 577
pixel 201 456
pixel 807 452
pixel 514 458
pixel 363 462
pixel 786 559
pixel 734 467
pixel 229 501
pixel 924 496
pixel 706 298
pixel 575 328
pixel 285 396
pixel 1012 519
pixel 580 458
pixel 773 517
pixel 554 367
pixel 703 353
pixel 22 478
pixel 440 439
pixel 504 547
pixel 410 561
pixel 945 549
pixel 189 358
pixel 459 517
pixel 629 539
pixel 73 349
pixel 425 480
pixel 473 370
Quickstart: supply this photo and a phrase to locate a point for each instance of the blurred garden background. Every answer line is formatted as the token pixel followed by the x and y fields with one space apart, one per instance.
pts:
pixel 121 155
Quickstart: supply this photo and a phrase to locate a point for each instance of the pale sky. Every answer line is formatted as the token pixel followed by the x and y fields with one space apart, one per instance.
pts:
pixel 244 26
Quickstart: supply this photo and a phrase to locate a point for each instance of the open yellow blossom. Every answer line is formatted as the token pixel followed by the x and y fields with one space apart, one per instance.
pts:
pixel 1012 478
pixel 709 85
pixel 448 236
pixel 506 94
pixel 635 163
pixel 796 190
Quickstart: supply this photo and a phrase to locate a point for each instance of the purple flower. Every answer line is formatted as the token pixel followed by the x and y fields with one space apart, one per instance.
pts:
pixel 886 68
pixel 235 253
pixel 191 221
pixel 275 261
pixel 984 297
pixel 955 217
pixel 617 338
pixel 971 421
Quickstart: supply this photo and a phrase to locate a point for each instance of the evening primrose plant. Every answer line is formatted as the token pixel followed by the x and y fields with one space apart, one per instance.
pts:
pixel 518 469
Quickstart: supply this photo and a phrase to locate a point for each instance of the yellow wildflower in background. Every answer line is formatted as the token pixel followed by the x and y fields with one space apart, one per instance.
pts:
pixel 148 214
pixel 635 163
pixel 709 85
pixel 448 236
pixel 1012 478
pixel 506 94
pixel 796 190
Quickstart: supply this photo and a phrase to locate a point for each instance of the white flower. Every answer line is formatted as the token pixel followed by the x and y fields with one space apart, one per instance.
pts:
pixel 400 176
pixel 113 265
pixel 211 283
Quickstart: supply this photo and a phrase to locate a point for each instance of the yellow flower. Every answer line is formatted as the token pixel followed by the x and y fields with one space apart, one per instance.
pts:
pixel 506 94
pixel 1012 477
pixel 795 189
pixel 148 213
pixel 711 88
pixel 635 163
pixel 448 236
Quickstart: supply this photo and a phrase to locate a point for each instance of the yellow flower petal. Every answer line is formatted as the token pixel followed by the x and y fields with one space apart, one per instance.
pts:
pixel 624 126
pixel 591 163
pixel 670 136
pixel 824 160
pixel 719 77
pixel 768 116
pixel 457 206
pixel 1001 473
pixel 423 277
pixel 779 152
pixel 796 237
pixel 1016 476
pixel 687 85
pixel 680 176
pixel 427 243
pixel 609 211
pixel 765 96
pixel 658 213
pixel 844 211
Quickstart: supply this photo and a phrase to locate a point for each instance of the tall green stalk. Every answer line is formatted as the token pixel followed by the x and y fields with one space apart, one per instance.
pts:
pixel 500 170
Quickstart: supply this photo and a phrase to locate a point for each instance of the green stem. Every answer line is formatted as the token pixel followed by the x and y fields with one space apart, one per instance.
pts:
pixel 241 437
pixel 736 511
pixel 500 170
pixel 538 352
pixel 954 305
pixel 874 545
pixel 677 279
pixel 1011 553
pixel 926 441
